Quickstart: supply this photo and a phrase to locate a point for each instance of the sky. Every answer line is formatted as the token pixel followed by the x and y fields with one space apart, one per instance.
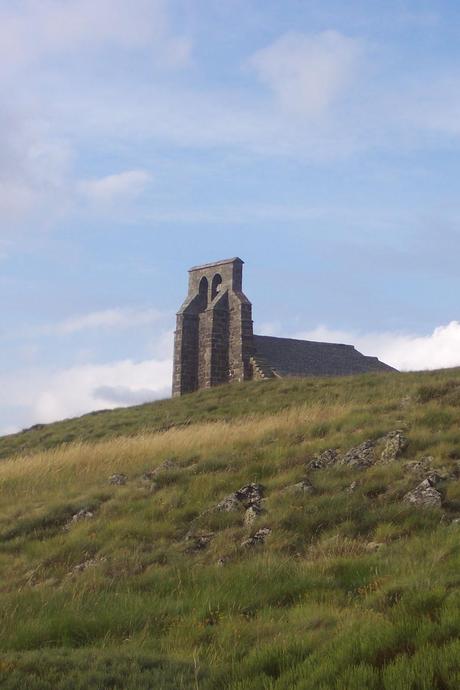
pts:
pixel 318 140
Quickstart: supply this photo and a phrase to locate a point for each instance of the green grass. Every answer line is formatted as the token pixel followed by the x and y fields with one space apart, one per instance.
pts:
pixel 223 403
pixel 126 600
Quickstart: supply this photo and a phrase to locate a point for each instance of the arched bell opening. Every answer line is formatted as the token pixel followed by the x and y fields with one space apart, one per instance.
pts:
pixel 203 292
pixel 216 285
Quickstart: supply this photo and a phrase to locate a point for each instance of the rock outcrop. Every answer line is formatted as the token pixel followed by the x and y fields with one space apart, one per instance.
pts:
pixel 425 495
pixel 249 495
pixel 198 541
pixel 368 453
pixel 395 443
pixel 252 513
pixel 303 487
pixel 257 539
pixel 361 456
pixel 166 466
pixel 118 479
pixel 327 458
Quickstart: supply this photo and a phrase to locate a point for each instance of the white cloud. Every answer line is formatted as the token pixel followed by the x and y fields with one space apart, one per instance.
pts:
pixel 308 73
pixel 90 387
pixel 407 352
pixel 124 395
pixel 108 318
pixel 124 186
pixel 36 392
pixel 46 396
pixel 35 29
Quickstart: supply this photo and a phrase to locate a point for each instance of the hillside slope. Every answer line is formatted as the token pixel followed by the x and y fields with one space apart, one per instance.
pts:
pixel 281 535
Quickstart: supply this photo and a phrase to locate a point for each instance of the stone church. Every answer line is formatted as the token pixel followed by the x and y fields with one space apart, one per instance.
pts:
pixel 215 343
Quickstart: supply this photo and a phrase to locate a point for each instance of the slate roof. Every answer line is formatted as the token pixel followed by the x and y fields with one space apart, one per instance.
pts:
pixel 289 357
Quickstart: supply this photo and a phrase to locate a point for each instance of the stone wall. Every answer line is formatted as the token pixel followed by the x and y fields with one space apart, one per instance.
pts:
pixel 215 344
pixel 214 337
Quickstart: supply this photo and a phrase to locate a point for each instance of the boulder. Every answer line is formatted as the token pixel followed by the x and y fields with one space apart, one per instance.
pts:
pixel 91 563
pixel 374 546
pixel 248 495
pixel 327 458
pixel 352 488
pixel 118 479
pixel 252 513
pixel 421 467
pixel 257 539
pixel 361 456
pixel 229 504
pixel 395 442
pixel 364 455
pixel 425 495
pixel 198 541
pixel 165 466
pixel 303 487
pixel 83 514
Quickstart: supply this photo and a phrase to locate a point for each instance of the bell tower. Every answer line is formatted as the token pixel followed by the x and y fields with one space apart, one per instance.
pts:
pixel 214 337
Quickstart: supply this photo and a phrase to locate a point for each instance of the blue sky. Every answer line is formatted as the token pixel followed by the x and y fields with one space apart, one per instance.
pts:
pixel 319 141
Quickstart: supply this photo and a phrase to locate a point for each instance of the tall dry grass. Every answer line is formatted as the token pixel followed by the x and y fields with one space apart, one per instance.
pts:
pixel 84 464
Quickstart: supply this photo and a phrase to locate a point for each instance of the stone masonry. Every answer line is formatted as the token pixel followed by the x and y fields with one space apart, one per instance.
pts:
pixel 215 344
pixel 214 338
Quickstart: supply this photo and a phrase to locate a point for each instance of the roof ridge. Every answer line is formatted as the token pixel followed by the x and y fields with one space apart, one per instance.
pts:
pixel 216 263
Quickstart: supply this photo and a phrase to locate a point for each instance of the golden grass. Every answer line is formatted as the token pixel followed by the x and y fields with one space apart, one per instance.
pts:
pixel 84 464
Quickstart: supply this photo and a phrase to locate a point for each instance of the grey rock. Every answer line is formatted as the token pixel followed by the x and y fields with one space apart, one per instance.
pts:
pixel 229 504
pixel 303 487
pixel 83 514
pixel 327 458
pixel 165 466
pixel 248 495
pixel 198 541
pixel 422 466
pixel 86 565
pixel 434 478
pixel 364 455
pixel 395 442
pixel 252 513
pixel 374 546
pixel 257 539
pixel 425 495
pixel 352 488
pixel 361 456
pixel 118 479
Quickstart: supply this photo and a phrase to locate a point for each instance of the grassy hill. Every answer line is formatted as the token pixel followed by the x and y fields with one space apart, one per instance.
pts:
pixel 327 579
